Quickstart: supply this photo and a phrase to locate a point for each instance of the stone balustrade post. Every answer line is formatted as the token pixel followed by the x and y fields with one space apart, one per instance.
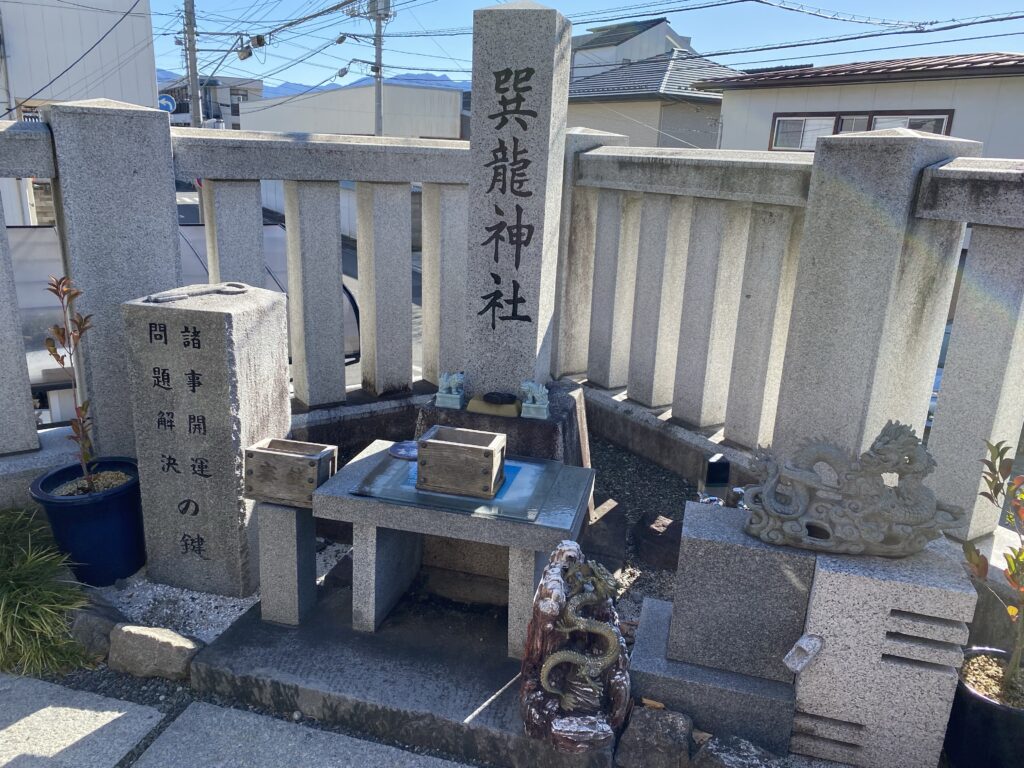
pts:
pixel 316 309
pixel 614 281
pixel 766 299
pixel 665 222
pixel 233 212
pixel 872 291
pixel 982 392
pixel 384 233
pixel 445 211
pixel 117 216
pixel 711 296
pixel 571 321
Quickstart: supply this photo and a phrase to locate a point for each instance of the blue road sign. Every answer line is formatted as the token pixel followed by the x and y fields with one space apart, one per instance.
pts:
pixel 166 102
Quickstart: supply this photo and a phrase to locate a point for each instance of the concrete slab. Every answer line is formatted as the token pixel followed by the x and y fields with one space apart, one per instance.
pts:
pixel 431 676
pixel 48 726
pixel 229 738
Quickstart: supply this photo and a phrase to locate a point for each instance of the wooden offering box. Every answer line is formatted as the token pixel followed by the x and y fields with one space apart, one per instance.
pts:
pixel 287 471
pixel 464 462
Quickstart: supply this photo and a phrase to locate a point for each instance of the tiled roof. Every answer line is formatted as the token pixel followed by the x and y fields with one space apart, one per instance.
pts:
pixel 668 74
pixel 918 68
pixel 599 37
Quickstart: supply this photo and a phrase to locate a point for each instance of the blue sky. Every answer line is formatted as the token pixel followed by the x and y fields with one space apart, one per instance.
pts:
pixel 712 29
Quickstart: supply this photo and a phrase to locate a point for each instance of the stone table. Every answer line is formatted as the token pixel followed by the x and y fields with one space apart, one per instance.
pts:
pixel 387 539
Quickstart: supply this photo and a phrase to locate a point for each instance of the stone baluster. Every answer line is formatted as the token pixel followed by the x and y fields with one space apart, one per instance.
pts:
pixel 614 281
pixel 17 415
pixel 117 215
pixel 982 393
pixel 711 295
pixel 384 233
pixel 661 264
pixel 872 291
pixel 445 208
pixel 571 321
pixel 233 213
pixel 316 306
pixel 766 298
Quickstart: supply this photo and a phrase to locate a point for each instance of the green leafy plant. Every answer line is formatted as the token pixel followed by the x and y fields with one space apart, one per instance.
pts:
pixel 1002 487
pixel 35 599
pixel 62 345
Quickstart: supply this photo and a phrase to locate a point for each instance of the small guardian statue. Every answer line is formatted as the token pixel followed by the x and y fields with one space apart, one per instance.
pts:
pixel 535 400
pixel 821 498
pixel 575 689
pixel 451 390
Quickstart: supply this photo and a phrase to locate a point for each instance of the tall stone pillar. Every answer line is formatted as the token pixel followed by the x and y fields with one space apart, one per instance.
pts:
pixel 520 95
pixel 118 218
pixel 17 416
pixel 872 293
pixel 209 376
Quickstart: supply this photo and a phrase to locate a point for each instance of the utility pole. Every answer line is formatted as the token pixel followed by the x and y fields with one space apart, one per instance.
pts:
pixel 195 96
pixel 378 86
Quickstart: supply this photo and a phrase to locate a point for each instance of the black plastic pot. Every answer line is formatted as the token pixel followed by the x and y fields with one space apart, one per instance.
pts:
pixel 983 733
pixel 101 533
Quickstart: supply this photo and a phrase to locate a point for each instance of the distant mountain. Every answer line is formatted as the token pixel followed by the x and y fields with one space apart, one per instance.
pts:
pixel 419 79
pixel 290 89
pixel 165 75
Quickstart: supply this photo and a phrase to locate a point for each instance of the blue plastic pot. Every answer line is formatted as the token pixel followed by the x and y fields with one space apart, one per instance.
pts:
pixel 101 533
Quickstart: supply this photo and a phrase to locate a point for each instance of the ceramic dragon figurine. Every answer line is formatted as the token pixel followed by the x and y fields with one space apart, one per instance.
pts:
pixel 575 673
pixel 820 497
pixel 591 585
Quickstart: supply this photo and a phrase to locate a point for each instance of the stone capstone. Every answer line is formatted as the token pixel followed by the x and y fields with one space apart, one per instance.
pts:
pixel 655 738
pixel 732 752
pixel 151 652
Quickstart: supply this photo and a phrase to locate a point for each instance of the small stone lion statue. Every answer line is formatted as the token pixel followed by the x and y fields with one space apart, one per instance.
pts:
pixel 452 383
pixel 534 393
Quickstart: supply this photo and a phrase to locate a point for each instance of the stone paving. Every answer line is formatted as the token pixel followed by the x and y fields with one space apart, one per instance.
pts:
pixel 43 725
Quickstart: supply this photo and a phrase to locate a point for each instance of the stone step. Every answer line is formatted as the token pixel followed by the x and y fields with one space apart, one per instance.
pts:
pixel 206 735
pixel 46 724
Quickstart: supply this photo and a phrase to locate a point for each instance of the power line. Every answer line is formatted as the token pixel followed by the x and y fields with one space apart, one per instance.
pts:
pixel 292 98
pixel 72 64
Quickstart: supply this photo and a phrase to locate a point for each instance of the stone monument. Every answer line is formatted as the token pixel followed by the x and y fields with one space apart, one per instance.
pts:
pixel 209 376
pixel 520 91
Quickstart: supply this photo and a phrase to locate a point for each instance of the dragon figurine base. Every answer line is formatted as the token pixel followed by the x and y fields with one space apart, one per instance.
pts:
pixel 575 688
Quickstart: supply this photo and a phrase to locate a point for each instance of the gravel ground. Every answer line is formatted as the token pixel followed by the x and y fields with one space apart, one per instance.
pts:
pixel 194 614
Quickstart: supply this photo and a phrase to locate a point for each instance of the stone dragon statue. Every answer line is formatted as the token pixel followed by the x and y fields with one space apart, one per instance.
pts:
pixel 822 498
pixel 575 687
pixel 591 585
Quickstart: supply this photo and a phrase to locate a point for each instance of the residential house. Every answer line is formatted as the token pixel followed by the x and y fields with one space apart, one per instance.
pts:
pixel 222 99
pixel 971 96
pixel 603 48
pixel 120 67
pixel 653 101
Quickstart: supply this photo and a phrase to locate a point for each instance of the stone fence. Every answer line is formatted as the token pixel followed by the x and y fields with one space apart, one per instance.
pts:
pixel 782 295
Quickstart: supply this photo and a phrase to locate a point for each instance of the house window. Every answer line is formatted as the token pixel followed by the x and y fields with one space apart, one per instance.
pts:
pixel 801 131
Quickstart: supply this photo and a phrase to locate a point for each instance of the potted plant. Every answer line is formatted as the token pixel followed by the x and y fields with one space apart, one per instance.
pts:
pixel 93 505
pixel 986 726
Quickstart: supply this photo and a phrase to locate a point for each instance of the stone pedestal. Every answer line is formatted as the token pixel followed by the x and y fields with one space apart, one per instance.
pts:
pixel 520 86
pixel 208 377
pixel 879 692
pixel 287 563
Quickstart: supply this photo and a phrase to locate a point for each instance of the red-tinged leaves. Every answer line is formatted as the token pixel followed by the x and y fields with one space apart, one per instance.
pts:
pixel 1006 468
pixel 977 563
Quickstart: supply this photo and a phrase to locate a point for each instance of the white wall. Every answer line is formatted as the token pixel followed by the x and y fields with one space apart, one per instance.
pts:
pixel 650 42
pixel 42 37
pixel 990 110
pixel 408 111
pixel 689 124
pixel 637 119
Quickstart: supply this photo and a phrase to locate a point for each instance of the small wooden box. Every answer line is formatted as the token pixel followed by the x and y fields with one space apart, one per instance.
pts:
pixel 287 471
pixel 464 462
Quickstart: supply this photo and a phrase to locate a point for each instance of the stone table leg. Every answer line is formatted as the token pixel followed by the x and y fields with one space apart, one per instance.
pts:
pixel 287 563
pixel 384 563
pixel 524 571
